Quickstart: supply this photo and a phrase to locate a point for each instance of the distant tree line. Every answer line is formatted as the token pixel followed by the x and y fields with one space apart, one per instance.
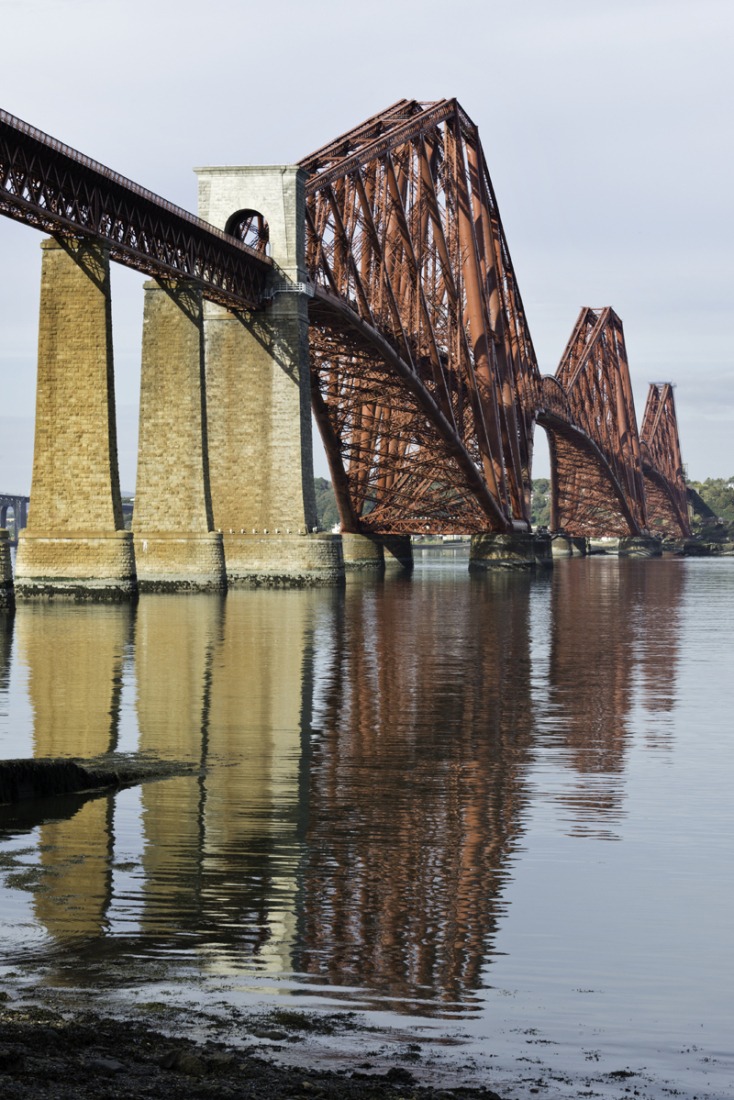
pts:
pixel 326 509
pixel 717 493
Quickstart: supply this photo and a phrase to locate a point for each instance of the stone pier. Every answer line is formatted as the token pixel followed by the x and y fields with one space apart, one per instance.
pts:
pixel 259 398
pixel 363 554
pixel 7 596
pixel 566 546
pixel 640 546
pixel 176 546
pixel 376 554
pixel 519 550
pixel 75 543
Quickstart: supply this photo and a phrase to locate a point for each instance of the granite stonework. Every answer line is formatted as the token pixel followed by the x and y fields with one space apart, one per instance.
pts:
pixel 176 546
pixel 363 553
pixel 640 546
pixel 567 546
pixel 283 561
pixel 75 544
pixel 518 550
pixel 258 395
pixel 7 594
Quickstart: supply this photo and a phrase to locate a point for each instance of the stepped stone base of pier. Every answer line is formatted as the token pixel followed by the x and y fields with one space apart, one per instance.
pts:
pixel 564 546
pixel 180 561
pixel 640 547
pixel 7 596
pixel 75 565
pixel 283 561
pixel 519 550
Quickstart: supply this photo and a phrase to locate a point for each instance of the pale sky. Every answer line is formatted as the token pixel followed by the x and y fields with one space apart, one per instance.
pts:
pixel 606 125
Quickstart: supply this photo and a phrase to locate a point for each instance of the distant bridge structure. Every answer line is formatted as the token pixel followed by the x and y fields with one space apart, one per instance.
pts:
pixel 13 507
pixel 371 282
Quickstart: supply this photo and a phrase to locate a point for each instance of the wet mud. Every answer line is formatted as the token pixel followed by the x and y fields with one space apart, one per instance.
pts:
pixel 44 1054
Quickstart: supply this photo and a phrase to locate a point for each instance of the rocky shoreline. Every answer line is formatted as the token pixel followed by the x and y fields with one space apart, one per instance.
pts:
pixel 47 1054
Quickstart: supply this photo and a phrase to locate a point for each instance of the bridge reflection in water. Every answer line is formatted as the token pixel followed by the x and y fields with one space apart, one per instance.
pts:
pixel 364 758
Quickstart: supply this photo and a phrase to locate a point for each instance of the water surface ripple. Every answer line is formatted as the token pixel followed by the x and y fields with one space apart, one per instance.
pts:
pixel 493 812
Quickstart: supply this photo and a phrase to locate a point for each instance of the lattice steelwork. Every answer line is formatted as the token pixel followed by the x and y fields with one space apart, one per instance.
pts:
pixel 665 485
pixel 54 188
pixel 597 482
pixel 424 376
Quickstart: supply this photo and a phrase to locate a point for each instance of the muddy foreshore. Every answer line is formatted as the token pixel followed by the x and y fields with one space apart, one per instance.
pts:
pixel 49 1055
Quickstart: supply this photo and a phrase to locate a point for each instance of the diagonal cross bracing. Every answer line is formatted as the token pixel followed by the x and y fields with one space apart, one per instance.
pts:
pixel 424 376
pixel 662 463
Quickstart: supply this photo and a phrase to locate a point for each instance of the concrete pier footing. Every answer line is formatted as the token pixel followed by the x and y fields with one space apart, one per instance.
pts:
pixel 75 544
pixel 640 547
pixel 519 550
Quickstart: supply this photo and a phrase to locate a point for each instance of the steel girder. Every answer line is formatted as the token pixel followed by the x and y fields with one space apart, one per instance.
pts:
pixel 50 186
pixel 425 381
pixel 596 465
pixel 662 464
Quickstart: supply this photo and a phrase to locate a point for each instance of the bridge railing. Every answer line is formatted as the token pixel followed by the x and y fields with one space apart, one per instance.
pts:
pixel 47 184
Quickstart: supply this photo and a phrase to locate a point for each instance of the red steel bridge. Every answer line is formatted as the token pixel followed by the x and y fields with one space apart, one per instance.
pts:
pixel 424 380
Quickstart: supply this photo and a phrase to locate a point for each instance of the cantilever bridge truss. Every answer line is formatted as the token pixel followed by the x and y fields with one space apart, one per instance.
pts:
pixel 425 383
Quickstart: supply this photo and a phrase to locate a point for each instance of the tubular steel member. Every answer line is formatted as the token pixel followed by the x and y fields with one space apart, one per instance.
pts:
pixel 424 377
pixel 52 187
pixel 662 465
pixel 597 485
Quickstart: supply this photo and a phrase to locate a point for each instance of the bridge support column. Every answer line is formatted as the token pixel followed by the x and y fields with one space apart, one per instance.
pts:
pixel 377 553
pixel 398 551
pixel 75 543
pixel 363 553
pixel 176 547
pixel 565 546
pixel 519 550
pixel 7 595
pixel 640 546
pixel 259 397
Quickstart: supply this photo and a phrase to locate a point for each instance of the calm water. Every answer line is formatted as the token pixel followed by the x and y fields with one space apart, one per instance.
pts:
pixel 491 816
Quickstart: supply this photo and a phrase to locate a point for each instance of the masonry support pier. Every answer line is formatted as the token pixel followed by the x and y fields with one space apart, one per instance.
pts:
pixel 363 554
pixel 640 546
pixel 376 554
pixel 176 547
pixel 75 544
pixel 518 550
pixel 259 396
pixel 398 552
pixel 7 596
pixel 567 546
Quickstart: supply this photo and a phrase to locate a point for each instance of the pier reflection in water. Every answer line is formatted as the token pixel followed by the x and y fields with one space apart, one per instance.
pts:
pixel 376 773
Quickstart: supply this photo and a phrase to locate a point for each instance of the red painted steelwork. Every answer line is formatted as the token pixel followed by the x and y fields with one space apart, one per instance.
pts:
pixel 52 187
pixel 425 381
pixel 597 485
pixel 665 485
